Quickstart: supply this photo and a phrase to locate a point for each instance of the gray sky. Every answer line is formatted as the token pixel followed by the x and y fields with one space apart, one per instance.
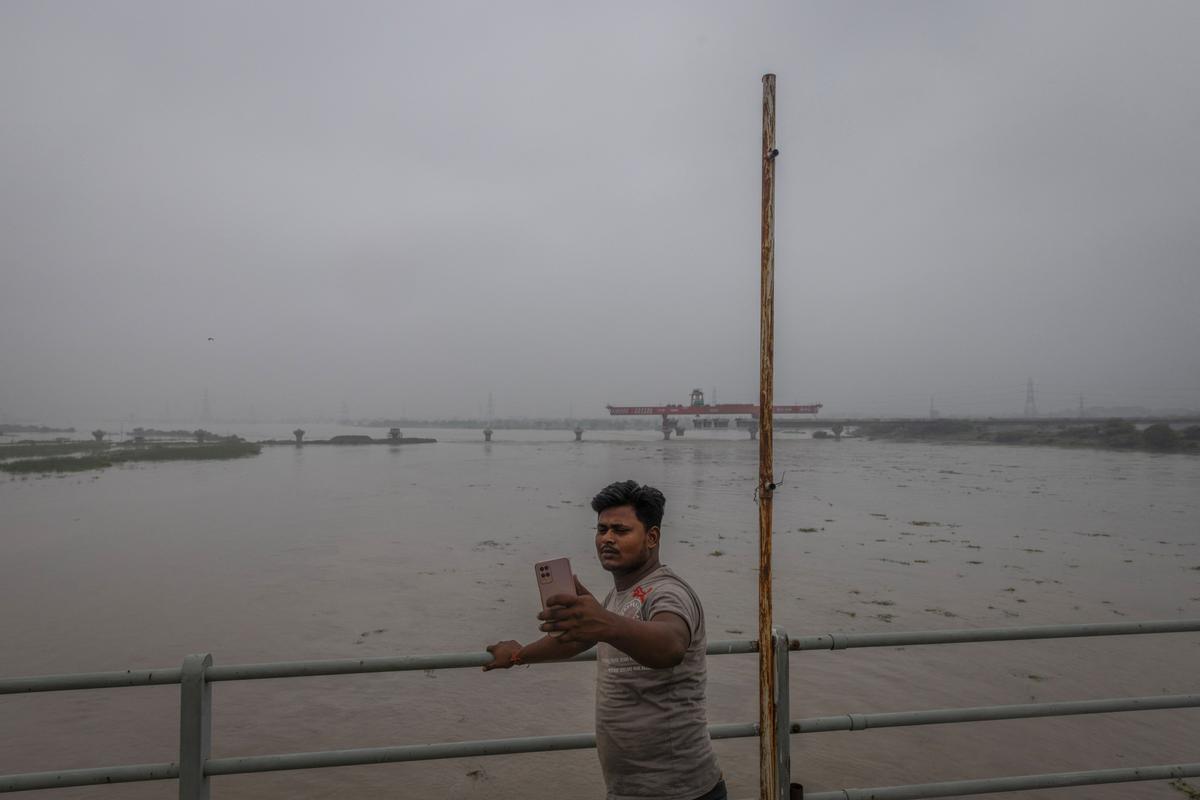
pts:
pixel 406 206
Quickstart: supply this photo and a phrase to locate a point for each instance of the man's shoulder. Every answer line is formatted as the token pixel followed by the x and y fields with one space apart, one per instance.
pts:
pixel 662 585
pixel 665 581
pixel 666 575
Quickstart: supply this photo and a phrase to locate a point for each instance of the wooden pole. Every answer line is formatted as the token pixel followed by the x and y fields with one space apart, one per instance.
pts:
pixel 769 777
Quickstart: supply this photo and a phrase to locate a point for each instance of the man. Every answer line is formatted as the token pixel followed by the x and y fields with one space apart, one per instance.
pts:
pixel 651 727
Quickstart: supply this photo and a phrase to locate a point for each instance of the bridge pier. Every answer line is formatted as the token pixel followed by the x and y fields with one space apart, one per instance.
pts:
pixel 487 434
pixel 578 434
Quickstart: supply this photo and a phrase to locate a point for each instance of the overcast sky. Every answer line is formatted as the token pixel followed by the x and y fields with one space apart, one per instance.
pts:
pixel 404 206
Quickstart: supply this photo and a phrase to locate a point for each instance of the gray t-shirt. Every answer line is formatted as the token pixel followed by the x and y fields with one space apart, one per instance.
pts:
pixel 651 726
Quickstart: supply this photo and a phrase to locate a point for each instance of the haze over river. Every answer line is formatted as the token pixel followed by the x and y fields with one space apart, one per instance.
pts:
pixel 332 552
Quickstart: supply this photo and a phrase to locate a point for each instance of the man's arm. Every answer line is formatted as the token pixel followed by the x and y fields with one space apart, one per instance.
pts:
pixel 657 643
pixel 548 648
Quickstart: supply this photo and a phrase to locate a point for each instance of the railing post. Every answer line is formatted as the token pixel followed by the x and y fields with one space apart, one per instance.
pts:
pixel 195 727
pixel 783 717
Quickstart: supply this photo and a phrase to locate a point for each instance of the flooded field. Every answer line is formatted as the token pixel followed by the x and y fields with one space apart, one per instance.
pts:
pixel 366 551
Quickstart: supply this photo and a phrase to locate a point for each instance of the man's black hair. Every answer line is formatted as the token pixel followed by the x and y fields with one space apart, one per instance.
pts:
pixel 647 502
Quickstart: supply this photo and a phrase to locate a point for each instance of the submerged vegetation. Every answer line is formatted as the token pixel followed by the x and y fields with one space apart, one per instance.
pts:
pixel 1114 434
pixel 44 449
pixel 56 457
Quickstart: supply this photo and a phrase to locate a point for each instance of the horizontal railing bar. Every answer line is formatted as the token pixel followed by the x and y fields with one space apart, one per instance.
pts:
pixel 88 777
pixel 343 666
pixel 293 669
pixel 897 719
pixel 733 730
pixel 1015 783
pixel 330 758
pixel 843 722
pixel 89 680
pixel 842 641
pixel 298 669
pixel 428 752
pixel 731 647
pixel 830 641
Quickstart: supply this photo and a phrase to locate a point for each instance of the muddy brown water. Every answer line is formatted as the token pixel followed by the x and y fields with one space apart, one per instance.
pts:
pixel 332 552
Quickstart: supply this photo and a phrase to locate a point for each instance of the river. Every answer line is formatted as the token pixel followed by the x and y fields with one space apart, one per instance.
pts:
pixel 330 552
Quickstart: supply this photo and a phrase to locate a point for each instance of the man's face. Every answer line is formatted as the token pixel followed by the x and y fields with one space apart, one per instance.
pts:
pixel 622 542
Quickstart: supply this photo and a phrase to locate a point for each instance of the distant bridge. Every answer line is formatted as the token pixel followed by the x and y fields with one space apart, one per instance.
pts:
pixel 993 423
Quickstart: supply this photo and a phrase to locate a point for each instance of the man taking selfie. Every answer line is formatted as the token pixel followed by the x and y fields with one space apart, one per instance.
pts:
pixel 651 726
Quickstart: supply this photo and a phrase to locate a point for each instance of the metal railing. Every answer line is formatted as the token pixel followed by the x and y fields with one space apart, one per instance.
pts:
pixel 198 674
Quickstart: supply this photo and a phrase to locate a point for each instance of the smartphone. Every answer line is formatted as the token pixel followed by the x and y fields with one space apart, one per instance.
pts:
pixel 554 577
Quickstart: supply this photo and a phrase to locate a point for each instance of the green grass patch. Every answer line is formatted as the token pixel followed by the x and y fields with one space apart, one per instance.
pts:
pixel 1113 434
pixel 37 466
pixel 189 452
pixel 111 456
pixel 48 449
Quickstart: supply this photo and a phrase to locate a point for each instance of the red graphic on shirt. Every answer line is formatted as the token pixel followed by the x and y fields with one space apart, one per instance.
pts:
pixel 641 593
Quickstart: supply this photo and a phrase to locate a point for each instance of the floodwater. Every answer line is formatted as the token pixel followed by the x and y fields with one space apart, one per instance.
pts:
pixel 330 552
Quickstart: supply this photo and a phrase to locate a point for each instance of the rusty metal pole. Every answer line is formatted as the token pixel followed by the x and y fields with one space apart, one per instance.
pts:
pixel 769 777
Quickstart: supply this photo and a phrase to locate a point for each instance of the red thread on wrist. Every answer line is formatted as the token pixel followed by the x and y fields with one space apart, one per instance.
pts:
pixel 515 660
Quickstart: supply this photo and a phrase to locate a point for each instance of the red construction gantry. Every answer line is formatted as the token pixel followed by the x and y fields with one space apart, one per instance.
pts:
pixel 719 408
pixel 698 407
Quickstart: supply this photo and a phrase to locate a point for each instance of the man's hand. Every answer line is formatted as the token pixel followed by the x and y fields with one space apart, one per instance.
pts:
pixel 581 618
pixel 502 654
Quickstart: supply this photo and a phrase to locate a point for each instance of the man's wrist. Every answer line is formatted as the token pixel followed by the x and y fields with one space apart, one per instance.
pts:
pixel 515 659
pixel 612 631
